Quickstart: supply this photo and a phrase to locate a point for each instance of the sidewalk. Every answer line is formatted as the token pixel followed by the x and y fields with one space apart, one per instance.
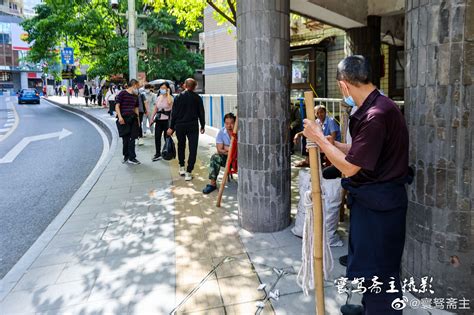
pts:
pixel 143 238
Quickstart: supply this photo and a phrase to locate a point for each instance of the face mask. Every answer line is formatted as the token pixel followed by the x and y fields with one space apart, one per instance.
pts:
pixel 349 101
pixel 162 92
pixel 135 91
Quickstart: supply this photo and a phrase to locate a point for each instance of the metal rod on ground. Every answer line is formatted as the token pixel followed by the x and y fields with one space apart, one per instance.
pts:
pixel 317 214
pixel 228 163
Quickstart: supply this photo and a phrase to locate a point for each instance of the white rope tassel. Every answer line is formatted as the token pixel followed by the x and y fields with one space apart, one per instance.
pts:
pixel 305 278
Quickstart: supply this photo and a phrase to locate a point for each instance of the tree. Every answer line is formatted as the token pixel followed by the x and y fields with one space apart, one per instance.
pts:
pixel 190 12
pixel 99 37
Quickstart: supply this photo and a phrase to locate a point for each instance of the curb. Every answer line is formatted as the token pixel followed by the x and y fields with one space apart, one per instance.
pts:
pixel 18 270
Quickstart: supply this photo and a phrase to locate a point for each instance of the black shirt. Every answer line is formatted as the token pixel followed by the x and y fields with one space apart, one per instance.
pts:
pixel 379 141
pixel 187 109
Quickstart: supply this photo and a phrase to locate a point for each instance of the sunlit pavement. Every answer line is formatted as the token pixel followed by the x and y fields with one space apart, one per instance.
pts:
pixel 144 238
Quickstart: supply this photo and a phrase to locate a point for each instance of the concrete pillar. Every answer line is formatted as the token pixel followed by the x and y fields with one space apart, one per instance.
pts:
pixel 263 44
pixel 439 109
pixel 366 41
pixel 24 80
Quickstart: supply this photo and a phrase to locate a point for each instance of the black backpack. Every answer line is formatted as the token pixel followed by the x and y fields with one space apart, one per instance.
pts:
pixel 169 149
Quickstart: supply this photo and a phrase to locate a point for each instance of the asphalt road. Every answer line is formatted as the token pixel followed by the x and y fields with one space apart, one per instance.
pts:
pixel 42 178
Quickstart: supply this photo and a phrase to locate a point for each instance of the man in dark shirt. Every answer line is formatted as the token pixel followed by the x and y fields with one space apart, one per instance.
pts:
pixel 126 106
pixel 376 165
pixel 187 111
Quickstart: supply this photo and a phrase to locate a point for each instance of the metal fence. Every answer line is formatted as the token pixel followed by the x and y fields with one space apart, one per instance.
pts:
pixel 217 105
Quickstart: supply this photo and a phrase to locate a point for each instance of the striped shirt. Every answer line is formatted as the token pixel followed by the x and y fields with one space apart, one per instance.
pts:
pixel 127 102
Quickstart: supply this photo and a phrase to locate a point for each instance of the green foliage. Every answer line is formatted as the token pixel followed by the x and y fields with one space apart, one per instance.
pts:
pixel 99 38
pixel 189 13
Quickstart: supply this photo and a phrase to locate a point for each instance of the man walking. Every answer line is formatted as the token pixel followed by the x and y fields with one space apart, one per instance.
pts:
pixel 126 107
pixel 187 111
pixel 376 166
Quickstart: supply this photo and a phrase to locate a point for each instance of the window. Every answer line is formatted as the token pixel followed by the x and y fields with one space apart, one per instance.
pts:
pixel 397 72
pixel 300 68
pixel 5 76
pixel 321 66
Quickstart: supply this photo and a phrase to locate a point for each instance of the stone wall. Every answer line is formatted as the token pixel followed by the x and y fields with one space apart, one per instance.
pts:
pixel 439 102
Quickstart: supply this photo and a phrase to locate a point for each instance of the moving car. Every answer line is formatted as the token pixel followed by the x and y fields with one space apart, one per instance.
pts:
pixel 28 96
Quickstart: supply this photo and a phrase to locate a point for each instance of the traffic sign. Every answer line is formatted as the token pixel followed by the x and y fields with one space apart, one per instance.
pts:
pixel 67 56
pixel 141 39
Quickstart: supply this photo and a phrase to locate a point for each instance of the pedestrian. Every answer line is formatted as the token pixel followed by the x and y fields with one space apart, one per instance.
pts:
pixel 93 95
pixel 376 166
pixel 162 107
pixel 296 125
pixel 126 107
pixel 151 100
pixel 98 91
pixel 187 113
pixel 219 159
pixel 56 91
pixel 64 90
pixel 110 99
pixel 87 94
pixel 76 91
pixel 142 112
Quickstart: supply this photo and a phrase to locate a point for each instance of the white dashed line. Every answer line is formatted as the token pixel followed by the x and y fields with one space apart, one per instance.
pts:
pixel 4 129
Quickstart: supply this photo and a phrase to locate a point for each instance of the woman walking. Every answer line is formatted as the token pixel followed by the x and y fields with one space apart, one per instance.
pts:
pixel 160 117
pixel 110 99
pixel 87 93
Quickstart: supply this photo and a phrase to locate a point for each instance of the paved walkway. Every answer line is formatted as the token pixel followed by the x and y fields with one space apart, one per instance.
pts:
pixel 143 238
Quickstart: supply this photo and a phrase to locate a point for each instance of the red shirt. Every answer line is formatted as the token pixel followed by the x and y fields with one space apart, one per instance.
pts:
pixel 379 141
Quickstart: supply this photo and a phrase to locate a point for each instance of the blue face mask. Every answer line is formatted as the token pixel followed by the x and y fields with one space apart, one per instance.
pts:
pixel 162 91
pixel 349 101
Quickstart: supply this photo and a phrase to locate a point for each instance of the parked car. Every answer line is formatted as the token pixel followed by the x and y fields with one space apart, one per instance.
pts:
pixel 28 96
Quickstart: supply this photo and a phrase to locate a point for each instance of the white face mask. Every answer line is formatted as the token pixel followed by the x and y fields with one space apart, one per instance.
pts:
pixel 162 91
pixel 135 91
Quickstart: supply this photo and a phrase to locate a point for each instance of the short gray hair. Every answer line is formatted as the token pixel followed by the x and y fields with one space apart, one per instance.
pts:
pixel 354 69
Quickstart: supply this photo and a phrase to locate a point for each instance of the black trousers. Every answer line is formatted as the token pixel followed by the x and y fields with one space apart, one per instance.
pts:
pixel 161 126
pixel 128 149
pixel 140 117
pixel 93 98
pixel 191 132
pixel 111 107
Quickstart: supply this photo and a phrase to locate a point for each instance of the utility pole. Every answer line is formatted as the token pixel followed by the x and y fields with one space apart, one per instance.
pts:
pixel 132 48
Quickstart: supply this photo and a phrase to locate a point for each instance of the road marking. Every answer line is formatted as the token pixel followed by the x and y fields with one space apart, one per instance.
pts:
pixel 13 153
pixel 12 111
pixel 8 125
pixel 4 129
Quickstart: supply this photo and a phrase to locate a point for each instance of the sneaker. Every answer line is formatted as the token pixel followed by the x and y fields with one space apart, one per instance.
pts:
pixel 208 189
pixel 140 141
pixel 343 260
pixel 182 172
pixel 125 159
pixel 133 161
pixel 188 176
pixel 156 158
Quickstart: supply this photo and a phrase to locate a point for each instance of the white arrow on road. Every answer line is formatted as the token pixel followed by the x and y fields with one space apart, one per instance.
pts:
pixel 11 156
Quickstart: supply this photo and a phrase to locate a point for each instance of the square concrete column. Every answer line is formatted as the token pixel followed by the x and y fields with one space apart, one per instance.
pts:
pixel 439 109
pixel 263 46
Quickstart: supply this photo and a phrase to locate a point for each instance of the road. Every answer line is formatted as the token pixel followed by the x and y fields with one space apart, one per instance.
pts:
pixel 39 173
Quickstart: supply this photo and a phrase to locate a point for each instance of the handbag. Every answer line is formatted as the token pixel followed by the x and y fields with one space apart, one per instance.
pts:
pixel 124 129
pixel 169 150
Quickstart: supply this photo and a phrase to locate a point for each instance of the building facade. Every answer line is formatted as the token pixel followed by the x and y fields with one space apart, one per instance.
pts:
pixel 15 73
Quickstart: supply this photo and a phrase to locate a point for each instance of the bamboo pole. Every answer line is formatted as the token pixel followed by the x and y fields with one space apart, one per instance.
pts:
pixel 317 213
pixel 227 166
